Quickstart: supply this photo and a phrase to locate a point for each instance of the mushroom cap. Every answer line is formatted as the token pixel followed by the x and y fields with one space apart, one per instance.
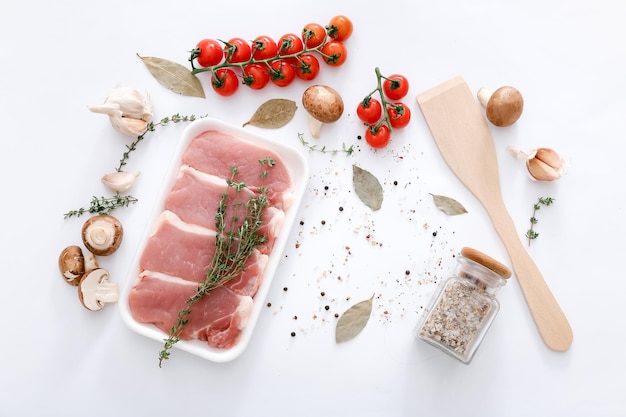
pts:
pixel 323 103
pixel 72 264
pixel 94 289
pixel 504 106
pixel 102 235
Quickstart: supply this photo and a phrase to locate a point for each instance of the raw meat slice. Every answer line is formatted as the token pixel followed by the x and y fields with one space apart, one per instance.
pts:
pixel 178 249
pixel 195 197
pixel 249 281
pixel 218 318
pixel 216 153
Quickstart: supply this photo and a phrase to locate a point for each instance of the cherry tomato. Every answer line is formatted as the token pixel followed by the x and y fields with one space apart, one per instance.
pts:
pixel 209 52
pixel 264 47
pixel 308 67
pixel 237 50
pixel 399 115
pixel 283 73
pixel 369 110
pixel 378 136
pixel 334 52
pixel 313 35
pixel 225 82
pixel 395 86
pixel 339 28
pixel 290 44
pixel 256 76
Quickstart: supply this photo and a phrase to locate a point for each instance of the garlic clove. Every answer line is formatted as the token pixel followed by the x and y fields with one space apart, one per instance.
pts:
pixel 543 164
pixel 120 181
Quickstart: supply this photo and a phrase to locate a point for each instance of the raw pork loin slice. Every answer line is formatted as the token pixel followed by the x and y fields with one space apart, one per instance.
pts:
pixel 180 250
pixel 217 318
pixel 216 153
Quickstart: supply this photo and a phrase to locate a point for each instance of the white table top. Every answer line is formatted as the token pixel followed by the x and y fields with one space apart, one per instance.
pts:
pixel 568 60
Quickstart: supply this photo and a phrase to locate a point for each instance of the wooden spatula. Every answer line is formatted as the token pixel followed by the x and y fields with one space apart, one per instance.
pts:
pixel 464 139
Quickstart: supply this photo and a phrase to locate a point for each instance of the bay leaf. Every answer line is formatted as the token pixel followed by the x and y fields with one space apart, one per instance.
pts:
pixel 174 76
pixel 448 205
pixel 274 113
pixel 367 187
pixel 353 320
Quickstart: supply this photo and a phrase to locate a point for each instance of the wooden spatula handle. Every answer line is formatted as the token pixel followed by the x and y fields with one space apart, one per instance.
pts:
pixel 549 318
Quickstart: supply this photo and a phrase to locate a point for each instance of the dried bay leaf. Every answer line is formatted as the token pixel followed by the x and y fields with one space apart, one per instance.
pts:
pixel 174 76
pixel 448 205
pixel 353 320
pixel 367 187
pixel 274 113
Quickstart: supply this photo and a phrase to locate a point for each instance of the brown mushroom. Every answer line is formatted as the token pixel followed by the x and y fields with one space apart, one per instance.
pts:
pixel 502 107
pixel 72 264
pixel 95 290
pixel 324 105
pixel 102 235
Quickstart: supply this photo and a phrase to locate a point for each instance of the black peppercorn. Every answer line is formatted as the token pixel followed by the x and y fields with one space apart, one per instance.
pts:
pixel 293 334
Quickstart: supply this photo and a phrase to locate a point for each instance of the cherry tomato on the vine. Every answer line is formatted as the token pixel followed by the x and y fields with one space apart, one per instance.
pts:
pixel 237 50
pixel 395 86
pixel 210 52
pixel 369 110
pixel 313 35
pixel 334 52
pixel 283 73
pixel 307 68
pixel 378 136
pixel 399 115
pixel 256 76
pixel 290 44
pixel 264 47
pixel 340 28
pixel 225 82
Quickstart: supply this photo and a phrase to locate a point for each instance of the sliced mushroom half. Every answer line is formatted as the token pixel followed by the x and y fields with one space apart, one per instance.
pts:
pixel 95 290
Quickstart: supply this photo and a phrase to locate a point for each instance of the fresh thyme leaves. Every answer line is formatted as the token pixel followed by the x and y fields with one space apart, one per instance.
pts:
pixel 103 205
pixel 176 118
pixel 233 247
pixel 348 151
pixel 531 233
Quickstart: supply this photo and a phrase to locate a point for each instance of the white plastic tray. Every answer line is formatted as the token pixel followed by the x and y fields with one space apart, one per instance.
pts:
pixel 298 169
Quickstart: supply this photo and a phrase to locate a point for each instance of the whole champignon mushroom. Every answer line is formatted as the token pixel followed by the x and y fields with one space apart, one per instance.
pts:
pixel 95 290
pixel 502 107
pixel 72 264
pixel 102 235
pixel 324 105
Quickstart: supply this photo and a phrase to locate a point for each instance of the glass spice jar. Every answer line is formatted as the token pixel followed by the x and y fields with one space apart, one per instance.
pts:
pixel 461 312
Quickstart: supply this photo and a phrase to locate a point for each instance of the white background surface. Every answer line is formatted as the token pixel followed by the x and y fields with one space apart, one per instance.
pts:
pixel 566 57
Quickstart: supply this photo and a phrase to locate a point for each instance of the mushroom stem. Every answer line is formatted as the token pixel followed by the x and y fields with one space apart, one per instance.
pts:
pixel 484 95
pixel 315 126
pixel 106 292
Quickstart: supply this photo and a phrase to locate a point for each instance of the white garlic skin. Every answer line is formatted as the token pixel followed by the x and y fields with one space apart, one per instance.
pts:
pixel 129 110
pixel 120 181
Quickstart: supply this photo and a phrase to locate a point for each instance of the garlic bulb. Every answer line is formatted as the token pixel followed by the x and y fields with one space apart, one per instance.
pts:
pixel 129 111
pixel 543 164
pixel 120 181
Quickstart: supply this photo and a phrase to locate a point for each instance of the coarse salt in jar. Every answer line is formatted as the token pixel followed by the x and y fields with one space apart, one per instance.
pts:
pixel 462 310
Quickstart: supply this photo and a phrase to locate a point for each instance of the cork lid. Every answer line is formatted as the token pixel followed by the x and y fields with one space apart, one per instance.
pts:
pixel 487 261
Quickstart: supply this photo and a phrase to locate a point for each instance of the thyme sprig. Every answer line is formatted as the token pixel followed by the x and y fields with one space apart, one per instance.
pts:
pixel 102 205
pixel 348 150
pixel 233 247
pixel 531 233
pixel 175 118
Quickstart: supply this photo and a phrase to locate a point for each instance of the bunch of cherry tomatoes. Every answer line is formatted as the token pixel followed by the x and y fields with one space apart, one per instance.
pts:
pixel 264 61
pixel 386 113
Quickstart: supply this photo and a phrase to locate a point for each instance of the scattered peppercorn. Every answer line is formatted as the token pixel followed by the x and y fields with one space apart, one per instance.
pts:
pixel 322 293
pixel 323 221
pixel 359 137
pixel 395 183
pixel 285 288
pixel 269 304
pixel 435 233
pixel 340 208
pixel 293 334
pixel 326 187
pixel 336 315
pixel 301 222
pixel 326 308
pixel 407 272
